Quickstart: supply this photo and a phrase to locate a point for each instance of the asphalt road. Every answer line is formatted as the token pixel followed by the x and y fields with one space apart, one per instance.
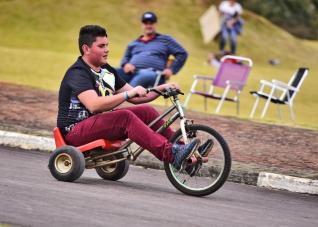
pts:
pixel 29 196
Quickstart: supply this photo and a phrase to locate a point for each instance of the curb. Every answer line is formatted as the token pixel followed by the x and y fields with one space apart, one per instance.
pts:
pixel 261 179
pixel 28 142
pixel 294 184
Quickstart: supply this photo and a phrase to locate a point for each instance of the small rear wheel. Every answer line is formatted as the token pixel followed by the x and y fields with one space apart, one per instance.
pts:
pixel 66 163
pixel 114 171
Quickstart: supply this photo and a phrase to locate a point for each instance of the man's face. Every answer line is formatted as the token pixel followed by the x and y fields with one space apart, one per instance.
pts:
pixel 98 52
pixel 149 28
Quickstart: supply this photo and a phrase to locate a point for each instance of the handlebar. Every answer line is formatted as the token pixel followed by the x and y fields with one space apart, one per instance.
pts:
pixel 166 94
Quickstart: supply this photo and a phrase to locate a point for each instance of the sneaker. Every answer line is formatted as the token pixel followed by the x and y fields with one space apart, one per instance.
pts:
pixel 204 150
pixel 181 152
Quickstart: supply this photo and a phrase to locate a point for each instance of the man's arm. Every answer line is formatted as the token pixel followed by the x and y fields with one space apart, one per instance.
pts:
pixel 178 52
pixel 135 95
pixel 147 97
pixel 128 67
pixel 137 99
pixel 127 56
pixel 97 104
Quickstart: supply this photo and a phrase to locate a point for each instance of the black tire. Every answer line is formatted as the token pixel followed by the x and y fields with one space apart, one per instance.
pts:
pixel 216 170
pixel 66 163
pixel 114 171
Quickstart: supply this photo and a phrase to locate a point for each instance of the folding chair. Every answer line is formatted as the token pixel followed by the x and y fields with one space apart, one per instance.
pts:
pixel 279 92
pixel 232 75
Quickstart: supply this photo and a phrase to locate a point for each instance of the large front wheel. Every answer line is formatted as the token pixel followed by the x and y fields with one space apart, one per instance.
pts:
pixel 207 175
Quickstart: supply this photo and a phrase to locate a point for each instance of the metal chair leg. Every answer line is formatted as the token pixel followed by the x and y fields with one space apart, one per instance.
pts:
pixel 292 114
pixel 192 89
pixel 185 104
pixel 238 103
pixel 218 108
pixel 157 78
pixel 238 107
pixel 265 108
pixel 254 107
pixel 279 112
pixel 267 102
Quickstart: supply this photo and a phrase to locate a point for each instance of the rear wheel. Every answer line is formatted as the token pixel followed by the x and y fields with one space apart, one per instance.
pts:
pixel 66 163
pixel 113 171
pixel 203 177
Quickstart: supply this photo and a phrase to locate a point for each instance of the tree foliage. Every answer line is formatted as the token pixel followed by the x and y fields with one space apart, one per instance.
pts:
pixel 299 17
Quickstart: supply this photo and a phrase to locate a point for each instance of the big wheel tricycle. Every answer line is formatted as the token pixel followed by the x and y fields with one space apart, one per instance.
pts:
pixel 202 172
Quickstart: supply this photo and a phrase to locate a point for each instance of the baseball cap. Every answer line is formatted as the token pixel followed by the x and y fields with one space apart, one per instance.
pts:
pixel 149 17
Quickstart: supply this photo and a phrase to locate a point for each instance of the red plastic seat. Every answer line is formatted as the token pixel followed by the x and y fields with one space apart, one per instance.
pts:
pixel 104 144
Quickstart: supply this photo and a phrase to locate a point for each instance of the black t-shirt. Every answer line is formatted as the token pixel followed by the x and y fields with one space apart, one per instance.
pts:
pixel 79 78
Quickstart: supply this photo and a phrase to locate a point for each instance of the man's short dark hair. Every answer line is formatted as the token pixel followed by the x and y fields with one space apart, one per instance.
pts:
pixel 88 34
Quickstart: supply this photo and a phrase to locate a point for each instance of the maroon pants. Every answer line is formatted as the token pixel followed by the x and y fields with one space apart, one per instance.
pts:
pixel 130 122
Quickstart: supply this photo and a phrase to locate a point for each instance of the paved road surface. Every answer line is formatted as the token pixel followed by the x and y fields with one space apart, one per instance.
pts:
pixel 29 196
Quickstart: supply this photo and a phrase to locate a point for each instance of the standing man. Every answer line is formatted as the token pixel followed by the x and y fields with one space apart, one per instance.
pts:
pixel 89 94
pixel 232 23
pixel 149 53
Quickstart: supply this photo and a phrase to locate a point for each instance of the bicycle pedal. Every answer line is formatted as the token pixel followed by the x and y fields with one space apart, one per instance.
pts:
pixel 208 145
pixel 194 150
pixel 193 169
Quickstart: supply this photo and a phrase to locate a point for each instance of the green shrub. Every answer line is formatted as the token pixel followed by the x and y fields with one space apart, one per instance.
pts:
pixel 298 17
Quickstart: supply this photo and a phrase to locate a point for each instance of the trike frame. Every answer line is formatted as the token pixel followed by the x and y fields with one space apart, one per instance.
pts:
pixel 126 147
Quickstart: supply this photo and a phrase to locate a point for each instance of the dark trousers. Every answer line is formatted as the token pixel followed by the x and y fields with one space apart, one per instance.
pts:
pixel 130 122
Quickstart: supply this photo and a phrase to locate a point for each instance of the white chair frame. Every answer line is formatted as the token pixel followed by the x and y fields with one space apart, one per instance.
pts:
pixel 277 87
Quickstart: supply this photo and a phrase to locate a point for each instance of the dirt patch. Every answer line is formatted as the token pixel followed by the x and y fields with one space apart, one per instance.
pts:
pixel 265 147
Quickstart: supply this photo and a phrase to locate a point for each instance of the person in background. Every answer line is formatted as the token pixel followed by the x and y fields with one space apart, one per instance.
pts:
pixel 150 53
pixel 232 23
pixel 214 59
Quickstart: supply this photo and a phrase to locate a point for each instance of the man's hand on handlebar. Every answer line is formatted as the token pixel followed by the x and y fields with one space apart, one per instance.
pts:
pixel 163 90
pixel 138 91
pixel 167 86
pixel 166 90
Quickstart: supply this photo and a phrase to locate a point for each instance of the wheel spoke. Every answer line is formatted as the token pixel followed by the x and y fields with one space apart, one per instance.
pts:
pixel 212 174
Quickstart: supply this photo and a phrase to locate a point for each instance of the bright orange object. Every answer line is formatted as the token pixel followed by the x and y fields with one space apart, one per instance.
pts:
pixel 104 144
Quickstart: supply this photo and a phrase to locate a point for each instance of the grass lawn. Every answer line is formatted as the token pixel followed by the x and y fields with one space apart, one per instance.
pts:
pixel 38 41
